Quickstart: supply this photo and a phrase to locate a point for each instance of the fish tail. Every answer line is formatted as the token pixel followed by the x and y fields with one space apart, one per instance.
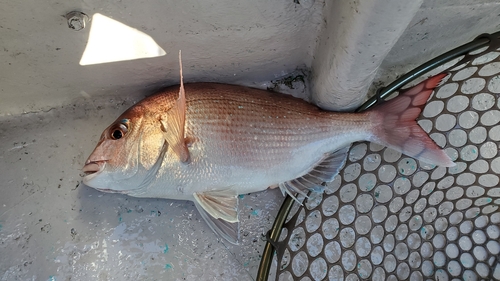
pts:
pixel 395 125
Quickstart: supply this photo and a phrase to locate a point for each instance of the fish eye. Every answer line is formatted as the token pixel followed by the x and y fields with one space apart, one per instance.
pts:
pixel 119 131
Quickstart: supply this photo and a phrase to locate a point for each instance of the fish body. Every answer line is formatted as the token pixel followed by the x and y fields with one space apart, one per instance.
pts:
pixel 210 142
pixel 247 140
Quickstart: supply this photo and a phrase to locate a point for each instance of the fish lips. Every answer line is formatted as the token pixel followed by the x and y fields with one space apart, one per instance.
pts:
pixel 93 169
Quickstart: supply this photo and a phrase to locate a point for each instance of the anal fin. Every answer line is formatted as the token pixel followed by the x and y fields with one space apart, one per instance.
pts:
pixel 325 171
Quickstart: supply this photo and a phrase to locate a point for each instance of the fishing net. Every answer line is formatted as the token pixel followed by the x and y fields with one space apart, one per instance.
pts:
pixel 387 216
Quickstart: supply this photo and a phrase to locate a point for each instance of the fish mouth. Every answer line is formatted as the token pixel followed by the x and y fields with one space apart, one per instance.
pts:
pixel 106 190
pixel 93 168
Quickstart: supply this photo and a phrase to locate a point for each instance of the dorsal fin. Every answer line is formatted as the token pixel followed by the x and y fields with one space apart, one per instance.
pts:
pixel 325 171
pixel 173 124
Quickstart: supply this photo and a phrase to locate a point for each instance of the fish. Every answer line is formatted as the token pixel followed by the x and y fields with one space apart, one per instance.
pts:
pixel 210 142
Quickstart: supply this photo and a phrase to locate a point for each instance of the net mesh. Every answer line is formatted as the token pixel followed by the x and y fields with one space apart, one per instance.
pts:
pixel 390 217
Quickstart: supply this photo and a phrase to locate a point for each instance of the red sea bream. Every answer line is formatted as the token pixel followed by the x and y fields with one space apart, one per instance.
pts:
pixel 211 142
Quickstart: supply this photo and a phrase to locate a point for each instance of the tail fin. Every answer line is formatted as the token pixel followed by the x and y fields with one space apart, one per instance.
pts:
pixel 398 129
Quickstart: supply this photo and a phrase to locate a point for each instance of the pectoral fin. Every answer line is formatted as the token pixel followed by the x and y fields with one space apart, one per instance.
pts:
pixel 173 123
pixel 325 171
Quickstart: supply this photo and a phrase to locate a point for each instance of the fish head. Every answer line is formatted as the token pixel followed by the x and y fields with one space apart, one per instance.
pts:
pixel 127 154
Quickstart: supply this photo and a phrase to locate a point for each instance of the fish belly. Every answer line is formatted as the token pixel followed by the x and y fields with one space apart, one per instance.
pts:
pixel 212 169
